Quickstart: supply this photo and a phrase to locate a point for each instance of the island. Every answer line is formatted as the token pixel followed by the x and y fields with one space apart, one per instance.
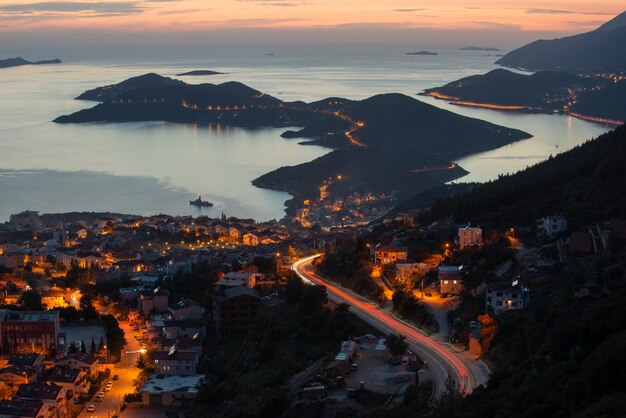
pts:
pixel 602 50
pixel 593 98
pixel 199 72
pixel 19 61
pixel 386 145
pixel 421 53
pixel 479 48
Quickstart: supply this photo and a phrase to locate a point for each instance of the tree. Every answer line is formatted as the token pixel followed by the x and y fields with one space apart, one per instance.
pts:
pixel 31 301
pixel 396 344
pixel 83 348
pixel 93 349
pixel 101 345
pixel 294 288
pixel 488 331
pixel 87 310
pixel 72 348
pixel 397 298
pixel 313 299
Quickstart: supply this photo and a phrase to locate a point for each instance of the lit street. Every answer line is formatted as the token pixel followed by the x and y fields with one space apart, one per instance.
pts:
pixel 443 362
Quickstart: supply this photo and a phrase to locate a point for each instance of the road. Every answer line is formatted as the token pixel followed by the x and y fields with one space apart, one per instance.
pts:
pixel 127 373
pixel 465 370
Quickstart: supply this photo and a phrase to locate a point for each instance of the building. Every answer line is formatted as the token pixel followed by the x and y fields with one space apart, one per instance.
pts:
pixel 154 301
pixel 409 272
pixel 389 254
pixel 505 298
pixel 33 360
pixel 184 344
pixel 236 310
pixel 52 396
pixel 175 362
pixel 12 377
pixel 551 226
pixel 235 279
pixel 30 331
pixel 16 408
pixel 146 282
pixel 73 380
pixel 470 237
pixel 184 329
pixel 450 280
pixel 53 299
pixel 169 390
pixel 186 309
pixel 80 361
pixel 250 239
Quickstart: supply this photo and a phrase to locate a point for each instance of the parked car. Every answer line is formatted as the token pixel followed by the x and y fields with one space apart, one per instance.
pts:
pixel 115 377
pixel 472 324
pixel 354 367
pixel 91 408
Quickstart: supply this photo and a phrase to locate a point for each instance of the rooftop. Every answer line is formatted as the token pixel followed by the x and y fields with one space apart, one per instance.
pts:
pixel 161 383
pixel 38 391
pixel 15 407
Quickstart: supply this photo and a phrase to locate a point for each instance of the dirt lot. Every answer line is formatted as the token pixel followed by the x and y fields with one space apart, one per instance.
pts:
pixel 378 375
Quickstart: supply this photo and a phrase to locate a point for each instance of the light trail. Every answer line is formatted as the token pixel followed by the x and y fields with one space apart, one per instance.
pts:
pixel 431 351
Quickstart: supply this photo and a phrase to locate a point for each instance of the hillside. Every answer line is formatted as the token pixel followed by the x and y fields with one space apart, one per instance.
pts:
pixel 601 50
pixel 388 142
pixel 586 184
pixel 594 98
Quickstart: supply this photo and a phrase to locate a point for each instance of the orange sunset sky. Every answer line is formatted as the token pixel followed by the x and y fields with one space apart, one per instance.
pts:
pixel 522 16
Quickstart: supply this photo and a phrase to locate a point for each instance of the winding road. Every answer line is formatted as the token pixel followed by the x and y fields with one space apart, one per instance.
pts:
pixel 442 360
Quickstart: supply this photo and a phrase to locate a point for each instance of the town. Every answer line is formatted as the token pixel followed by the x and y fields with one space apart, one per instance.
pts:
pixel 128 316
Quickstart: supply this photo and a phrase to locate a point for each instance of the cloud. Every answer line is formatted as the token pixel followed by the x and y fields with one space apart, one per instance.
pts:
pixel 407 10
pixel 564 12
pixel 107 8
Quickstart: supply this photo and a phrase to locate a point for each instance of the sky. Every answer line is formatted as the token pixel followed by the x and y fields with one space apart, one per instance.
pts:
pixel 500 21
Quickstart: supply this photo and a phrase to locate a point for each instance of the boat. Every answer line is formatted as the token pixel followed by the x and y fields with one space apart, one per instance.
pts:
pixel 201 203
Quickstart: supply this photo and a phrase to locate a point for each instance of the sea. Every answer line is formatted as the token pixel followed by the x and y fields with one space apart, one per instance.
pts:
pixel 154 167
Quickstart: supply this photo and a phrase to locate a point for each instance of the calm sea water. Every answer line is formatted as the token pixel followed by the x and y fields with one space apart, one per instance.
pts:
pixel 148 168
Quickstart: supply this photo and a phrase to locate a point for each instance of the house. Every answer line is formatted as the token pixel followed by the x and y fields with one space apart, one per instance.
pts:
pixel 12 377
pixel 170 390
pixel 450 279
pixel 146 282
pixel 175 362
pixel 182 343
pixel 470 237
pixel 73 380
pixel 53 299
pixel 551 226
pixel 29 331
pixel 53 397
pixel 389 254
pixel 236 278
pixel 506 297
pixel 15 408
pixel 183 329
pixel 129 294
pixel 236 310
pixel 250 239
pixel 233 232
pixel 409 272
pixel 33 360
pixel 154 301
pixel 186 309
pixel 80 361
